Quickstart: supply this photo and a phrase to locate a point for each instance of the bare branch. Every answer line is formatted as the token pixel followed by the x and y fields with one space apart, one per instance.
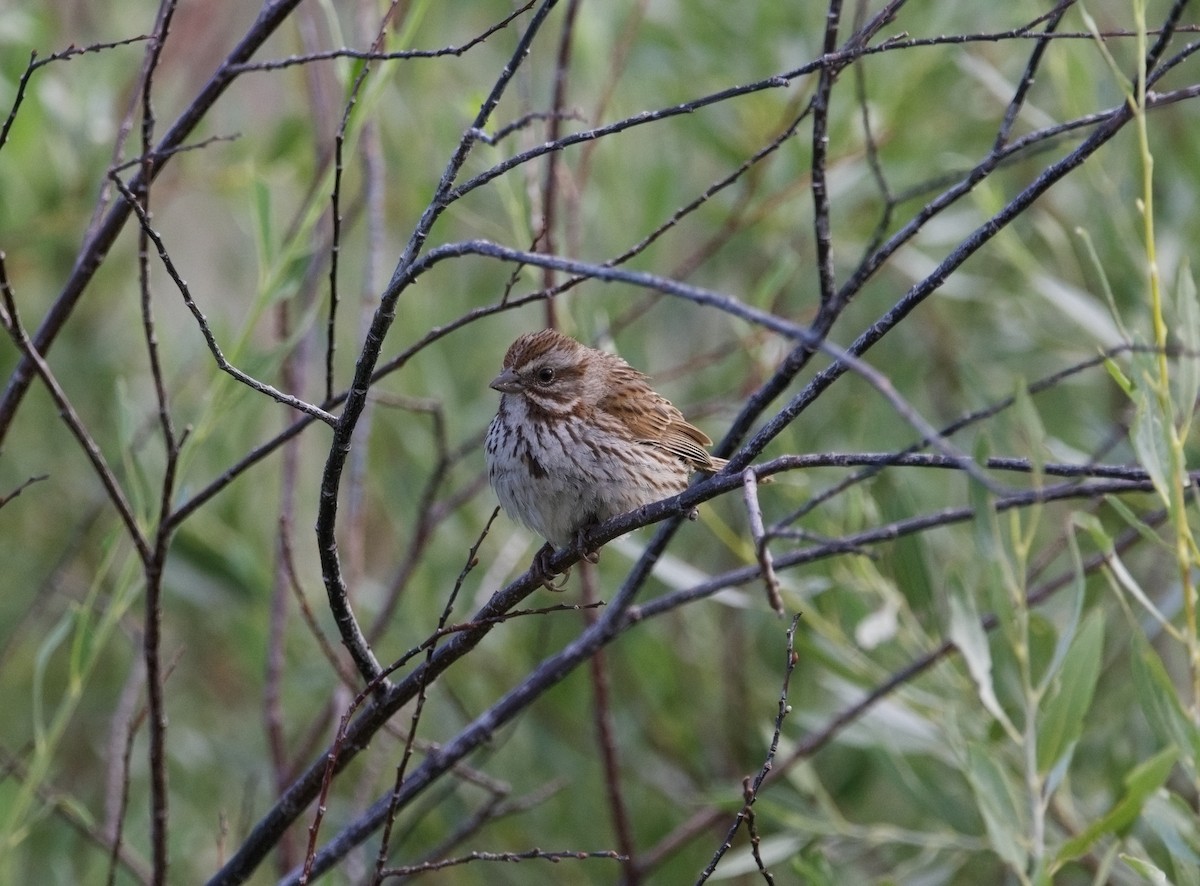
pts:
pixel 35 63
pixel 273 13
pixel 210 339
pixel 5 499
pixel 375 54
pixel 12 323
pixel 543 854
pixel 751 788
pixel 761 539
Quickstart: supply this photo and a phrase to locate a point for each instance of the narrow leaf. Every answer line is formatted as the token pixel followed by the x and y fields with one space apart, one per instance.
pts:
pixel 1148 436
pixel 1152 872
pixel 967 634
pixel 1067 634
pixel 996 797
pixel 1062 714
pixel 1159 699
pixel 1143 780
pixel 1187 376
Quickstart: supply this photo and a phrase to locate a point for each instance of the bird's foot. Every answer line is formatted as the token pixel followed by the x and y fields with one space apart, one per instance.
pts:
pixel 581 547
pixel 544 574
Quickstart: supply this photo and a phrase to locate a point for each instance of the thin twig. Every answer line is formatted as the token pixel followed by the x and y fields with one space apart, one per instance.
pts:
pixel 820 150
pixel 331 571
pixel 546 236
pixel 1027 78
pixel 374 54
pixel 328 650
pixel 543 854
pixel 335 199
pixel 94 251
pixel 209 339
pixel 69 809
pixel 619 618
pixel 1043 384
pixel 759 535
pixel 156 564
pixel 606 740
pixel 127 719
pixel 752 830
pixel 35 63
pixel 523 122
pixel 494 809
pixel 752 788
pixel 5 499
pixel 11 320
pixel 419 707
pixel 429 515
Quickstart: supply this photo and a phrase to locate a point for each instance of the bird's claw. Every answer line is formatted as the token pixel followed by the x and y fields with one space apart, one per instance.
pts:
pixel 584 554
pixel 544 574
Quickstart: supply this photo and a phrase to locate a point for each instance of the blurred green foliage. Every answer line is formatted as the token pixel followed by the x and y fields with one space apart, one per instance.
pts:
pixel 1061 746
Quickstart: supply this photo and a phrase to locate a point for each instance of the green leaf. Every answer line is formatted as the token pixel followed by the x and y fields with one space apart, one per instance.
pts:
pixel 1123 381
pixel 354 69
pixel 968 635
pixel 1098 268
pixel 1062 713
pixel 1029 423
pixel 907 556
pixel 1187 328
pixel 992 557
pixel 1172 820
pixel 262 222
pixel 813 868
pixel 1148 533
pixel 54 639
pixel 1122 578
pixel 773 851
pixel 996 797
pixel 1160 700
pixel 1067 633
pixel 1149 438
pixel 1147 869
pixel 1142 781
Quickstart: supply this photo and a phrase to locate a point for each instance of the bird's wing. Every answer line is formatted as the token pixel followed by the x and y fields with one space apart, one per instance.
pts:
pixel 652 419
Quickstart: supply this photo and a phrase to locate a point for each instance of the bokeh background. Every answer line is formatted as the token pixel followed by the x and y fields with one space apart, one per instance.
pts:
pixel 1057 741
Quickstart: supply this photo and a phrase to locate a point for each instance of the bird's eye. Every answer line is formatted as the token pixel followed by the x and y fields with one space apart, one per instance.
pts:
pixel 545 375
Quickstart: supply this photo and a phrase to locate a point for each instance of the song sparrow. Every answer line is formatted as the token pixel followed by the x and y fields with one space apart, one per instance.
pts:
pixel 580 437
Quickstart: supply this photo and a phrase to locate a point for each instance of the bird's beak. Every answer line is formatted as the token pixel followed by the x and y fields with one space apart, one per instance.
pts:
pixel 507 382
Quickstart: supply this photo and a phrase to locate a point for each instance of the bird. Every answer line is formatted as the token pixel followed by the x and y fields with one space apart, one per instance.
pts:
pixel 579 437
